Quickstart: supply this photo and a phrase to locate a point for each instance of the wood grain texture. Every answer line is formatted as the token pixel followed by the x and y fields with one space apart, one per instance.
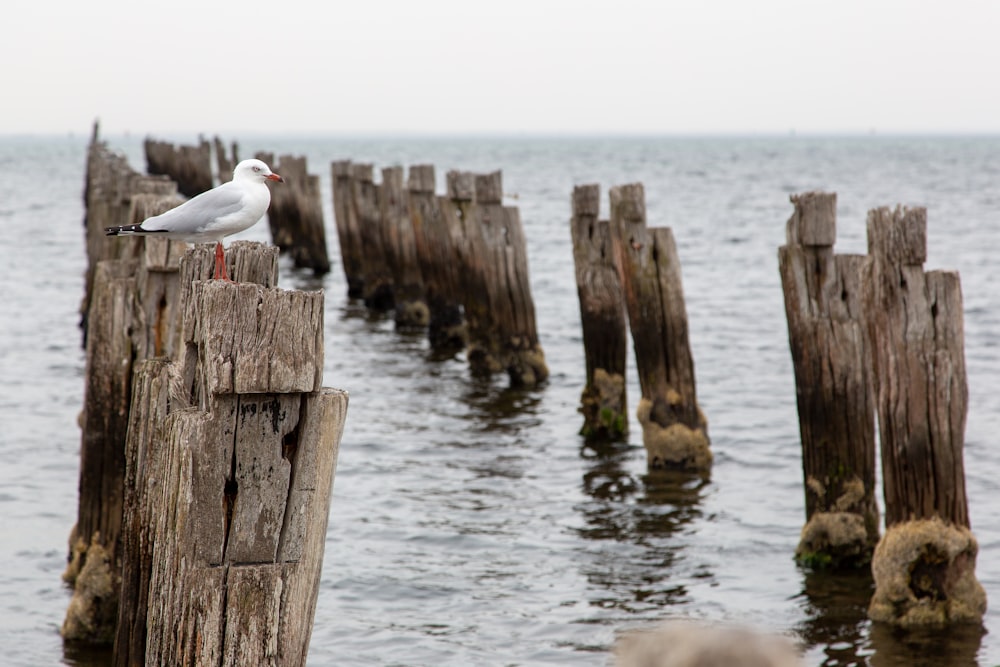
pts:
pixel 230 485
pixel 675 431
pixel 438 258
pixel 602 316
pixel 916 330
pixel 826 332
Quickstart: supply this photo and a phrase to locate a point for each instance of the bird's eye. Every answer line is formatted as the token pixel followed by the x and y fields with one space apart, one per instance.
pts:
pixel 256 168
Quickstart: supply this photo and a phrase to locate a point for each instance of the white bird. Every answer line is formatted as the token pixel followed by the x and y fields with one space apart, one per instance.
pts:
pixel 214 214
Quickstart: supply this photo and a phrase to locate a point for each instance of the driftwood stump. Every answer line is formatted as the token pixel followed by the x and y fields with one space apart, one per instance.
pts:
pixel 437 256
pixel 924 567
pixel 602 315
pixel 231 455
pixel 674 430
pixel 401 251
pixel 826 333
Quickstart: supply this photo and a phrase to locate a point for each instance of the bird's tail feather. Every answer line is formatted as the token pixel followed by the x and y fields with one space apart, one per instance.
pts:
pixel 128 229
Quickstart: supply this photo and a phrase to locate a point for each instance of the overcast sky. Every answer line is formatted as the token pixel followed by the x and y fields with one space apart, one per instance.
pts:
pixel 518 66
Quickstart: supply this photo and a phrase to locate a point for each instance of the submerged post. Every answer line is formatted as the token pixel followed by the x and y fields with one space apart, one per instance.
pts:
pixel 345 214
pixel 401 251
pixel 826 334
pixel 924 566
pixel 674 430
pixel 602 315
pixel 437 256
pixel 231 458
pixel 496 291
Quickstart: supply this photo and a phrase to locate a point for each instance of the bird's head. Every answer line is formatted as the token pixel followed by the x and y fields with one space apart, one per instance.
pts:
pixel 255 170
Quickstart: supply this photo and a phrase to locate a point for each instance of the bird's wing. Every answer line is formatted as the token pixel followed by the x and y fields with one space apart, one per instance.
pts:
pixel 194 214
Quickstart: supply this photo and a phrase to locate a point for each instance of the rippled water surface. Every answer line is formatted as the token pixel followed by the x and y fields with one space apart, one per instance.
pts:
pixel 470 525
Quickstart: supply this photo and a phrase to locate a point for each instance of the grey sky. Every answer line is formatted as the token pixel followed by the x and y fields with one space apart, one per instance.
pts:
pixel 537 66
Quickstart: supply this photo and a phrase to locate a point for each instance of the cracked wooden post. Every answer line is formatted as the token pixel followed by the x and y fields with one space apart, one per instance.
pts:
pixel 437 257
pixel 924 566
pixel 125 302
pixel 231 456
pixel 674 430
pixel 602 315
pixel 499 309
pixel 295 215
pixel 401 251
pixel 827 337
pixel 345 215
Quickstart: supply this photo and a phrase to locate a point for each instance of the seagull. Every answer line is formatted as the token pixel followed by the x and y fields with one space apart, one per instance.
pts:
pixel 214 214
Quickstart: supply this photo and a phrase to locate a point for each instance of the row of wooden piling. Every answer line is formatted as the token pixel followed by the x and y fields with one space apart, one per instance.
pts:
pixel 456 263
pixel 206 466
pixel 625 266
pixel 869 335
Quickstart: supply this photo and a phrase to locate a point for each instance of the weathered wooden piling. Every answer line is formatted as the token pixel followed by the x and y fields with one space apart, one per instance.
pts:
pixel 348 231
pixel 924 566
pixel 377 282
pixel 110 187
pixel 437 257
pixel 602 315
pixel 231 458
pixel 827 337
pixel 496 290
pixel 401 251
pixel 125 318
pixel 189 166
pixel 674 430
pixel 295 215
pixel 224 163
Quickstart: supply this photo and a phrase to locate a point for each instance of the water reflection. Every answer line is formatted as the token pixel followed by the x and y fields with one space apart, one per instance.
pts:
pixel 635 524
pixel 955 646
pixel 835 605
pixel 837 624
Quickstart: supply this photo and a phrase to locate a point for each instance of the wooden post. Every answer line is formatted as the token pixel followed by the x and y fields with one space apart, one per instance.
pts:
pixel 224 163
pixel 499 309
pixel 189 166
pixel 602 315
pixel 231 460
pixel 117 330
pixel 296 214
pixel 348 231
pixel 924 566
pixel 401 251
pixel 377 285
pixel 111 184
pixel 94 542
pixel 826 333
pixel 437 256
pixel 674 430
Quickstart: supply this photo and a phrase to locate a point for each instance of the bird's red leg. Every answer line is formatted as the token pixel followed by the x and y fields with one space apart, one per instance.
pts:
pixel 220 264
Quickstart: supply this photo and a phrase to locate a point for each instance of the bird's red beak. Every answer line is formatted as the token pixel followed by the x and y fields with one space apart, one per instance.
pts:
pixel 275 177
